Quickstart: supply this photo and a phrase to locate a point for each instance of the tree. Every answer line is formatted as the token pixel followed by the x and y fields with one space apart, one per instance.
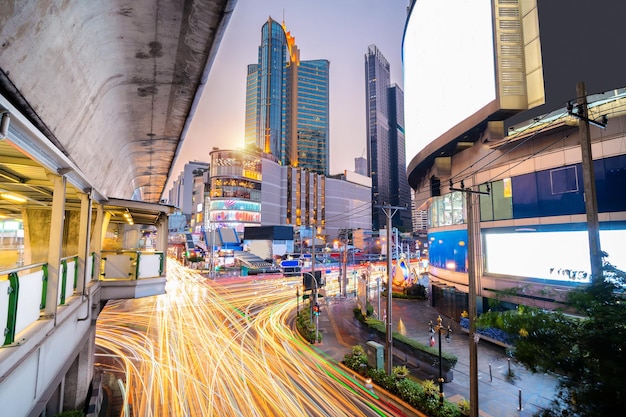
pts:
pixel 586 351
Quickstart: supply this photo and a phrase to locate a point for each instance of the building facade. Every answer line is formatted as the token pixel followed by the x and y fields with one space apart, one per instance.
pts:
pixel 182 191
pixel 252 189
pixel 386 159
pixel 234 199
pixel 287 102
pixel 510 160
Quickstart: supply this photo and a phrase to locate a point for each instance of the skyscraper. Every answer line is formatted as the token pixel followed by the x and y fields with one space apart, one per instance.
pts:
pixel 386 158
pixel 287 102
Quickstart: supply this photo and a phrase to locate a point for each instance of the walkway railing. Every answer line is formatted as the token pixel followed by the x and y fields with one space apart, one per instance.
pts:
pixel 23 294
pixel 131 264
pixel 23 289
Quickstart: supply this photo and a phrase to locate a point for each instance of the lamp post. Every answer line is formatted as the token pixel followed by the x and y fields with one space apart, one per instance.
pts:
pixel 438 328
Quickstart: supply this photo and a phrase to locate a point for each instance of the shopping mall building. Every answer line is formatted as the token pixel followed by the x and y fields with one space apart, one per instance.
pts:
pixel 250 188
pixel 495 110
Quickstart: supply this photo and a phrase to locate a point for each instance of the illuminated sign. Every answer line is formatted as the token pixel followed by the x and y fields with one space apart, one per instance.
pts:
pixel 236 215
pixel 251 174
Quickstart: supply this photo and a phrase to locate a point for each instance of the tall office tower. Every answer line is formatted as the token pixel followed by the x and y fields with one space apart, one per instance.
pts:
pixel 400 189
pixel 252 99
pixel 385 142
pixel 287 102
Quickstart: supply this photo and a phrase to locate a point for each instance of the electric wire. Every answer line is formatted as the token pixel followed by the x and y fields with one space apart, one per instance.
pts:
pixel 458 177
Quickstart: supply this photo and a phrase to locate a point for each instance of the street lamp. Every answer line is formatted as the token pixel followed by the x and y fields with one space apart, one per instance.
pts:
pixel 438 328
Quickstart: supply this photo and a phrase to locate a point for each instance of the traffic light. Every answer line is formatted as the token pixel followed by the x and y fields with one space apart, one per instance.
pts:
pixel 316 310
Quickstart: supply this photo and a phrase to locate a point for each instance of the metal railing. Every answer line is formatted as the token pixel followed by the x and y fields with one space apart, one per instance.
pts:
pixel 23 294
pixel 131 264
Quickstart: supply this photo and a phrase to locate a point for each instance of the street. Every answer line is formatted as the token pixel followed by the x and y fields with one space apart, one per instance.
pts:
pixel 221 348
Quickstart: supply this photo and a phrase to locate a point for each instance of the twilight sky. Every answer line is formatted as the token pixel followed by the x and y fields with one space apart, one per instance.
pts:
pixel 337 30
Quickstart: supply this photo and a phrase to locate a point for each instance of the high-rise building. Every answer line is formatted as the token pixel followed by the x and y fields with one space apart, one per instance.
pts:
pixel 287 102
pixel 386 160
pixel 400 189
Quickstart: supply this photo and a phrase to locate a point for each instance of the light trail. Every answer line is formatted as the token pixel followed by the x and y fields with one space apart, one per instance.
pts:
pixel 223 348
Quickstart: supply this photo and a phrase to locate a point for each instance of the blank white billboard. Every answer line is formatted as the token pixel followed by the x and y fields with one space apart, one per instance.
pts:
pixel 449 67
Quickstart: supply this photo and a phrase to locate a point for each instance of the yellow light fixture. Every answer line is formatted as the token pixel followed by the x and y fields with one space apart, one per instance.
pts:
pixel 13 197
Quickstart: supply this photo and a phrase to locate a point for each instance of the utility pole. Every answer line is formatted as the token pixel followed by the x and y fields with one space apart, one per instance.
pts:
pixel 471 274
pixel 589 182
pixel 389 211
pixel 472 293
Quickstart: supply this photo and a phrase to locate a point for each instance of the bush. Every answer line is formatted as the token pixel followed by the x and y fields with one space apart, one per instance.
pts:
pixel 416 291
pixel 306 328
pixel 400 371
pixel 356 358
pixel 422 396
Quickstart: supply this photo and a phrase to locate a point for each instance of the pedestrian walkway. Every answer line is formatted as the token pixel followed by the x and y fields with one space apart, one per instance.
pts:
pixel 502 384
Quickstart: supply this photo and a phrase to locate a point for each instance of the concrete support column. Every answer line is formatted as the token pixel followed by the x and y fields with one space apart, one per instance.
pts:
pixel 83 238
pixel 96 240
pixel 162 234
pixel 78 377
pixel 55 245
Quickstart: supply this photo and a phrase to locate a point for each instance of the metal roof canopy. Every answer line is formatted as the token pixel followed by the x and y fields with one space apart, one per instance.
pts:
pixel 112 85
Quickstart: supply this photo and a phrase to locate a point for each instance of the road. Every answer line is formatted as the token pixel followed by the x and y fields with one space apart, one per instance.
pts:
pixel 223 347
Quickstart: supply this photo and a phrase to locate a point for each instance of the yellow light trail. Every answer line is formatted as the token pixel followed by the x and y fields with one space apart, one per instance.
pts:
pixel 223 348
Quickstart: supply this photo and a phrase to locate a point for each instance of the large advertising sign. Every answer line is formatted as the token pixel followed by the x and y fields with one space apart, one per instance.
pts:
pixel 449 67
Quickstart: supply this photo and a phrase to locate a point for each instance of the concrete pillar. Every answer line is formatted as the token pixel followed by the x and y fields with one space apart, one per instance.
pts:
pixel 55 245
pixel 162 235
pixel 79 375
pixel 83 238
pixel 96 240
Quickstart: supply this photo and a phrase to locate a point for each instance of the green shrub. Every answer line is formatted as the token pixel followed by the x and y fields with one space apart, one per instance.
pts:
pixel 431 389
pixel 356 358
pixel 416 291
pixel 306 328
pixel 400 371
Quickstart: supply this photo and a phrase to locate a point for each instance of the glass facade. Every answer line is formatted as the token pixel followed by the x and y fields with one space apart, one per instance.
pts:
pixel 252 107
pixel 376 83
pixel 498 203
pixel 313 116
pixel 287 110
pixel 272 59
pixel 386 156
pixel 447 210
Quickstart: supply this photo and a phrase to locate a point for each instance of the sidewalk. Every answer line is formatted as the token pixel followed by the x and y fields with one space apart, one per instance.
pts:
pixel 499 394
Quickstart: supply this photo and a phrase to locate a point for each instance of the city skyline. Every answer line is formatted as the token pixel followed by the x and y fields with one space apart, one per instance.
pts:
pixel 219 120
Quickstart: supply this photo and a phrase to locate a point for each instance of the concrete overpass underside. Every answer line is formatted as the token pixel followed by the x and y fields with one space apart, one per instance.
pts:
pixel 112 84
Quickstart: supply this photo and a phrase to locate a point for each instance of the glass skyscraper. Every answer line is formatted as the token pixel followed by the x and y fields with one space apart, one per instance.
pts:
pixel 287 102
pixel 386 160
